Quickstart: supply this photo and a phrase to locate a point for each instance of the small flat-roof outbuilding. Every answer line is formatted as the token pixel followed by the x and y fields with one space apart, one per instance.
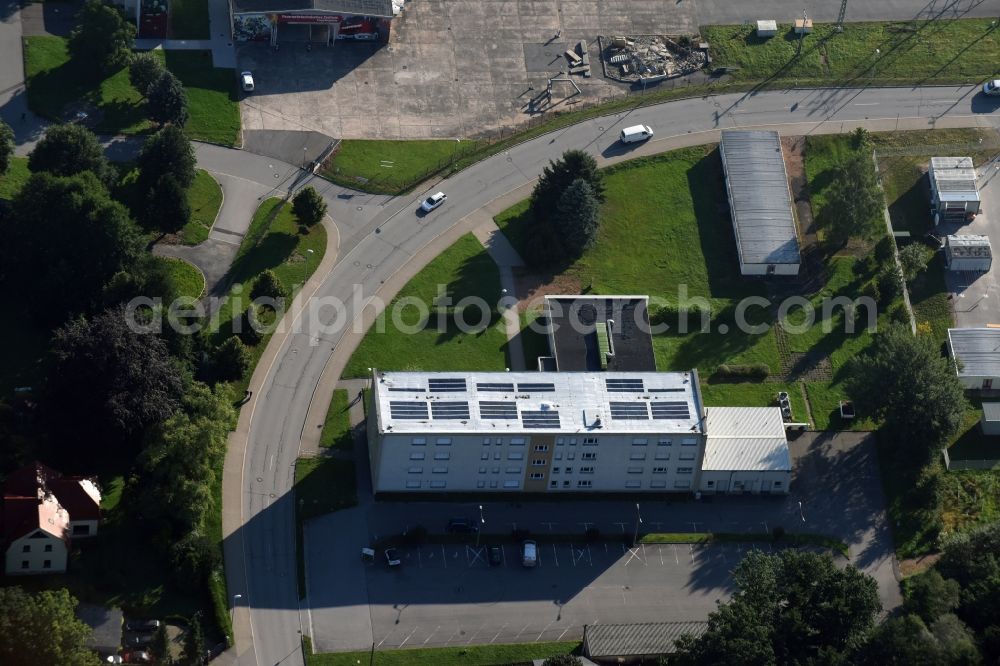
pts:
pixel 968 253
pixel 623 643
pixel 746 450
pixel 594 333
pixel 976 352
pixel 990 423
pixel 954 193
pixel 760 203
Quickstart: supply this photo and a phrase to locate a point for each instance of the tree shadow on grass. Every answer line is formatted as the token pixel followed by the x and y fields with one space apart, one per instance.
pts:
pixel 272 251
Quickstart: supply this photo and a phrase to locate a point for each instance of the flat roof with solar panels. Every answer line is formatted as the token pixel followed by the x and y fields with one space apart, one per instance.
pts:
pixel 512 402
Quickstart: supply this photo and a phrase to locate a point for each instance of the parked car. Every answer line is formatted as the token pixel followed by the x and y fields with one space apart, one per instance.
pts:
pixel 392 557
pixel 433 201
pixel 246 81
pixel 636 133
pixel 137 640
pixel 992 87
pixel 142 625
pixel 461 526
pixel 529 553
pixel 136 657
pixel 494 554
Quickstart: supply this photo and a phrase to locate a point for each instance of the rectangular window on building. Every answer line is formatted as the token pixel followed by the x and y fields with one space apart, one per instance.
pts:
pixel 710 484
pixel 482 470
pixel 587 483
pixel 635 470
pixel 511 483
pixel 47 564
pixel 48 546
pixel 588 455
pixel 560 441
pixel 572 441
pixel 499 441
pixel 494 483
pixel 571 455
pixel 514 469
pixel 685 470
pixel 439 470
pixel 777 484
pixel 686 455
pixel 565 484
pixel 515 455
pixel 682 484
pixel 633 484
pixel 24 564
pixel 589 441
pixel 637 455
pixel 439 484
pixel 537 475
pixel 26 549
pixel 661 470
pixel 640 441
pixel 662 455
pixel 415 470
pixel 496 470
pixel 480 484
pixel 541 448
pixel 497 455
pixel 412 484
pixel 419 441
pixel 486 441
pixel 443 441
pixel 569 470
pixel 417 456
pixel 657 484
pixel 555 470
pixel 442 455
pixel 554 484
pixel 664 442
pixel 586 469
pixel 517 441
pixel 689 441
pixel 538 462
pixel 485 456
pixel 557 455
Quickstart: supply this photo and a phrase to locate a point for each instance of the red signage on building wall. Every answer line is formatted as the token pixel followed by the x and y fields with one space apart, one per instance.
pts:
pixel 309 18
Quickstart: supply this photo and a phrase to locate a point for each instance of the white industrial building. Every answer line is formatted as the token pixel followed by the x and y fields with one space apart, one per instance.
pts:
pixel 976 353
pixel 746 451
pixel 540 432
pixel 760 202
pixel 954 194
pixel 968 253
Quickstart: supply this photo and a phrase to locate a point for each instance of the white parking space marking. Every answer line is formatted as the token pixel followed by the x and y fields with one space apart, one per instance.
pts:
pixel 476 555
pixel 408 637
pixel 659 551
pixel 431 635
pixel 676 559
pixel 499 632
pixel 578 554
pixel 634 555
pixel 444 557
pixel 555 555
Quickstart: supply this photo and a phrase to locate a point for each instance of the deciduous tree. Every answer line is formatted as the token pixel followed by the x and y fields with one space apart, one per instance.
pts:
pixel 267 285
pixel 144 70
pixel 168 152
pixel 930 595
pixel 6 146
pixel 232 359
pixel 309 206
pixel 194 643
pixel 101 39
pixel 166 101
pixel 167 207
pixel 41 628
pixel 159 647
pixel 913 259
pixel 854 200
pixel 904 381
pixel 69 149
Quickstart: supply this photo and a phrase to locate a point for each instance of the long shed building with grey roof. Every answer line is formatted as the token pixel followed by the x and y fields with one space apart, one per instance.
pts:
pixel 760 203
pixel 976 354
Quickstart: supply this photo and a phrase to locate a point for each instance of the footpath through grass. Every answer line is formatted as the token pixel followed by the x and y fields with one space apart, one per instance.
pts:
pixel 471 655
pixel 406 337
pixel 393 167
pixel 58 87
pixel 205 199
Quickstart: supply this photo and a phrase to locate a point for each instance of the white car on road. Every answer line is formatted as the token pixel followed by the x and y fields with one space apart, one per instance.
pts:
pixel 433 201
pixel 992 87
pixel 246 81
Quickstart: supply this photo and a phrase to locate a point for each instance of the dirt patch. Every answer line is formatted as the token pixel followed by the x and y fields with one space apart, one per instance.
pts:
pixel 533 287
pixel 793 148
pixel 917 565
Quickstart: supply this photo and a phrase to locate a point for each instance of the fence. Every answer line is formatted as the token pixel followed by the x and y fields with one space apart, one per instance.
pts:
pixel 964 465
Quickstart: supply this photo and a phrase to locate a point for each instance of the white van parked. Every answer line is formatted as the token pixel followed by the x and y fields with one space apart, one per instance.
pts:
pixel 529 553
pixel 636 133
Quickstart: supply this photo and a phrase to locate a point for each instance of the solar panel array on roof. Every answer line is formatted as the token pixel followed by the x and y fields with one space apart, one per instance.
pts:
pixel 495 387
pixel 406 389
pixel 624 385
pixel 540 419
pixel 408 409
pixel 450 410
pixel 446 385
pixel 670 410
pixel 528 387
pixel 497 409
pixel 624 411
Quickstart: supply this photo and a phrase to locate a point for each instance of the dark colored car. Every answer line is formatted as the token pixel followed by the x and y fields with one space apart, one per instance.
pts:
pixel 392 557
pixel 142 625
pixel 495 555
pixel 461 526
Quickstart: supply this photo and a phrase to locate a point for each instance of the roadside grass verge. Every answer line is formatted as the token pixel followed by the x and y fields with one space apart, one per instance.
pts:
pixel 189 19
pixel 187 280
pixel 205 199
pixel 57 86
pixel 322 485
pixel 14 179
pixel 817 540
pixel 393 167
pixel 402 339
pixel 470 655
pixel 337 426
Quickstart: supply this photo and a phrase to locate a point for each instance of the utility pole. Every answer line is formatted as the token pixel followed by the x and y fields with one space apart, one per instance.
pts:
pixel 479 529
pixel 840 16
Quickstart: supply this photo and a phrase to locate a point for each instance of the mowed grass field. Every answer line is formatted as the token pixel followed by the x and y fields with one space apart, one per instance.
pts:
pixel 408 341
pixel 392 167
pixel 471 655
pixel 58 87
pixel 205 199
pixel 924 51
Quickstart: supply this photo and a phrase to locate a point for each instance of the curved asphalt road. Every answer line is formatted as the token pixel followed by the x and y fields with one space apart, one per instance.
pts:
pixel 380 236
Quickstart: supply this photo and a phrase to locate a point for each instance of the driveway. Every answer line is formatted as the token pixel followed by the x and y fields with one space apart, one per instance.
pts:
pixel 976 297
pixel 447 595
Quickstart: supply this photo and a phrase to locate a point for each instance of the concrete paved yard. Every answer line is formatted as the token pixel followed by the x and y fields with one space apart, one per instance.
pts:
pixel 976 296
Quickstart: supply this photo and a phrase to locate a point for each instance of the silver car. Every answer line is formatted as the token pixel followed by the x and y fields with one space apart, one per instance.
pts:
pixel 433 201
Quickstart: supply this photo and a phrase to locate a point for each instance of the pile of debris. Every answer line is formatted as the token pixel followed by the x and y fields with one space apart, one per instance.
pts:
pixel 648 58
pixel 578 59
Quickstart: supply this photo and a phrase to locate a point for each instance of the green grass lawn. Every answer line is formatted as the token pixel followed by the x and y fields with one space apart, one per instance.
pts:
pixel 471 655
pixel 205 199
pixel 187 279
pixel 463 270
pixel 189 19
pixel 14 179
pixel 392 167
pixel 337 426
pixel 955 51
pixel 57 86
pixel 321 485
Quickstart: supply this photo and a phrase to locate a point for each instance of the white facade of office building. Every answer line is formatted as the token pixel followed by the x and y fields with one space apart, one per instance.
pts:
pixel 535 432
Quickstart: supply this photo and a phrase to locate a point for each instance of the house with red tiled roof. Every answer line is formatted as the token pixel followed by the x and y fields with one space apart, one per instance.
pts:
pixel 42 512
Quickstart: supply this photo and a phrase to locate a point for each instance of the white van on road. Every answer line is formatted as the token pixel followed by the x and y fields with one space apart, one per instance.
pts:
pixel 636 133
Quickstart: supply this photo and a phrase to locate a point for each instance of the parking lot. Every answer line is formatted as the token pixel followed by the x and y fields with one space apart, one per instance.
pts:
pixel 976 296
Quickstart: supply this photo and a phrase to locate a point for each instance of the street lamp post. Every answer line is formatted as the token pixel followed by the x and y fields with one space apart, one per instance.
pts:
pixel 482 521
pixel 801 514
pixel 232 618
pixel 638 521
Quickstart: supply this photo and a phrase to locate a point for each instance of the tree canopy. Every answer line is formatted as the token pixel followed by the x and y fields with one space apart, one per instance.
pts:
pixel 65 239
pixel 69 149
pixel 6 146
pixel 854 200
pixel 167 207
pixel 168 152
pixel 41 628
pixel 789 608
pixel 576 220
pixel 107 383
pixel 904 381
pixel 166 101
pixel 101 39
pixel 144 70
pixel 309 206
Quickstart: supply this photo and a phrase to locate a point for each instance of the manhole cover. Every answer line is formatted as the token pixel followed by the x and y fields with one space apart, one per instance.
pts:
pixel 271 495
pixel 360 208
pixel 600 128
pixel 276 176
pixel 357 263
pixel 260 479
